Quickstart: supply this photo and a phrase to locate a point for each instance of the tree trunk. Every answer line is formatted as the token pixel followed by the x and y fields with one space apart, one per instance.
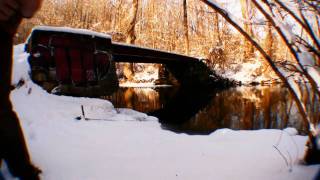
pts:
pixel 318 28
pixel 186 27
pixel 216 30
pixel 131 37
pixel 247 14
pixel 269 45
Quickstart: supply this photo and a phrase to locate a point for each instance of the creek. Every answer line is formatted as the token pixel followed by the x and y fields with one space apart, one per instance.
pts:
pixel 199 111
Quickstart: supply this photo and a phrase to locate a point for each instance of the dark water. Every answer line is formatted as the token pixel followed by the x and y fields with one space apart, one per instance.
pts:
pixel 195 111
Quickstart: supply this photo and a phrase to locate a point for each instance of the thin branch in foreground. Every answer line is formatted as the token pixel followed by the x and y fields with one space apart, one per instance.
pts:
pixel 315 7
pixel 286 41
pixel 283 157
pixel 293 141
pixel 291 162
pixel 308 46
pixel 308 27
pixel 279 140
pixel 303 23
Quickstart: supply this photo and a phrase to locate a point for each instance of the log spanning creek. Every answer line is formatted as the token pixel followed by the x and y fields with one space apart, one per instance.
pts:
pixel 195 111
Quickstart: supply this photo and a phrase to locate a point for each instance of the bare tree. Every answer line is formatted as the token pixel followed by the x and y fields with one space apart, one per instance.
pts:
pixel 216 30
pixel 131 36
pixel 186 26
pixel 117 16
pixel 248 14
pixel 269 44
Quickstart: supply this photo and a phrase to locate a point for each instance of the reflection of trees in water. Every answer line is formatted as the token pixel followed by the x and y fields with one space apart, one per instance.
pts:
pixel 239 108
pixel 136 98
pixel 248 108
pixel 141 99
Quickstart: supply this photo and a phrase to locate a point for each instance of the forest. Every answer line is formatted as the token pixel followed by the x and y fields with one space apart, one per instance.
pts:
pixel 187 27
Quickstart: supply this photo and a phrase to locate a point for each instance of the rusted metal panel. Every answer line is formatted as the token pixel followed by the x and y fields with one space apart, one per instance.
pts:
pixel 72 61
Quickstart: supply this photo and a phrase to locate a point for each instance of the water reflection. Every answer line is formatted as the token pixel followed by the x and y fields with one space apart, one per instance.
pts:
pixel 197 111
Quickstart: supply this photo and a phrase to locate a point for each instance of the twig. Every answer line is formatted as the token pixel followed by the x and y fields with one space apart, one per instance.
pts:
pixel 291 163
pixel 278 142
pixel 87 119
pixel 284 158
pixel 82 110
pixel 294 142
pixel 307 45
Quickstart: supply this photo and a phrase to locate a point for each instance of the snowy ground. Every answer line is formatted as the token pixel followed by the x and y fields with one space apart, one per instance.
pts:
pixel 132 145
pixel 249 72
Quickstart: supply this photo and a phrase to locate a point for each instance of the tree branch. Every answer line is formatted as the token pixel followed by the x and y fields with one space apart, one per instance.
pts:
pixel 300 106
pixel 304 24
pixel 289 45
pixel 315 7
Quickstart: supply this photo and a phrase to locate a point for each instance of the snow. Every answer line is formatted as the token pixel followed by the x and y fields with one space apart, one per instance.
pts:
pixel 248 72
pixel 72 30
pixel 125 144
pixel 291 131
pixel 144 76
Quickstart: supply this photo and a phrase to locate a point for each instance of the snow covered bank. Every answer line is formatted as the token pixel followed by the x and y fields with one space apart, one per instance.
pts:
pixel 130 145
pixel 249 72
